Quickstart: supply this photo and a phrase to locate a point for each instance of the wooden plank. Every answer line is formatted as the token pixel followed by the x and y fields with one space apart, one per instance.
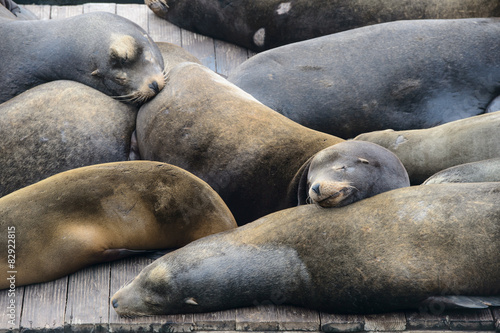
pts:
pixel 466 320
pixel 496 317
pixel 228 57
pixel 135 13
pixel 341 323
pixel 425 320
pixel 88 299
pixel 99 7
pixel 257 318
pixel 393 321
pixel 202 47
pixel 44 305
pixel 61 12
pixel 42 11
pixel 124 271
pixel 161 30
pixel 291 318
pixel 215 321
pixel 11 305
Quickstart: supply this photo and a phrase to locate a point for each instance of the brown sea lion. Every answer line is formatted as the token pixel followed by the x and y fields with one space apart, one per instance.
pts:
pixel 99 213
pixel 409 75
pixel 102 50
pixel 264 24
pixel 480 171
pixel 389 252
pixel 58 126
pixel 247 152
pixel 425 152
pixel 348 172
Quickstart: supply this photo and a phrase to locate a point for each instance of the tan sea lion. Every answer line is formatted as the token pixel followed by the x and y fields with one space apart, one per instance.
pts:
pixel 98 213
pixel 58 126
pixel 480 171
pixel 390 252
pixel 264 24
pixel 348 172
pixel 102 50
pixel 247 152
pixel 425 152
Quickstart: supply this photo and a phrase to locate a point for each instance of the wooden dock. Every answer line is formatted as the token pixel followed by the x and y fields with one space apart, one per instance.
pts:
pixel 80 302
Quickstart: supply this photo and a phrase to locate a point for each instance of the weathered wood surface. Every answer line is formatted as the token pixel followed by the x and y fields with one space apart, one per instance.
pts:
pixel 80 302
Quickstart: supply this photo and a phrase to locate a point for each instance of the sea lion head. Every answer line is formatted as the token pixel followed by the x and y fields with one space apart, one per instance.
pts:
pixel 129 67
pixel 350 171
pixel 147 294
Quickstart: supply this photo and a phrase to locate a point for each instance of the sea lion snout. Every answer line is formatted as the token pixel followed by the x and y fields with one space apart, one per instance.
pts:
pixel 154 86
pixel 330 193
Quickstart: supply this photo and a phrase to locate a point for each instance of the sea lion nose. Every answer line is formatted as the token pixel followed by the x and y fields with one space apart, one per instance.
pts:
pixel 315 188
pixel 154 86
pixel 115 303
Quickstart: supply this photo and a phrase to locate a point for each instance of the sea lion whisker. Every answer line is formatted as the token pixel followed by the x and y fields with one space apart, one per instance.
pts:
pixel 125 96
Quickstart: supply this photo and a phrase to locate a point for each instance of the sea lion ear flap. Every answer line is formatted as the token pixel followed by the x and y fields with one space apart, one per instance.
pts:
pixel 297 189
pixel 364 161
pixel 123 48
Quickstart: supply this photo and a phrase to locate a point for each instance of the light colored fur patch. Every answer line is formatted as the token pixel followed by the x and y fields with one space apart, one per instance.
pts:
pixel 123 47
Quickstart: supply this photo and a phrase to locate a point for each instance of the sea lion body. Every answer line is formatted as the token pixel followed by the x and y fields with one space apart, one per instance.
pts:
pixel 480 171
pixel 348 172
pixel 410 75
pixel 425 152
pixel 102 50
pixel 58 126
pixel 247 152
pixel 418 242
pixel 260 25
pixel 91 214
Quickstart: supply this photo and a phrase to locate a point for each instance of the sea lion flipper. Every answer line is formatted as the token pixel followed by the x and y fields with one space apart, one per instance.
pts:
pixel 459 302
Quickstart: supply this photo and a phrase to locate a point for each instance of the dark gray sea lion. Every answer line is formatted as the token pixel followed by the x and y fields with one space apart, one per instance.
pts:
pixel 480 171
pixel 389 252
pixel 99 213
pixel 9 9
pixel 102 50
pixel 399 75
pixel 260 25
pixel 247 152
pixel 425 152
pixel 58 126
pixel 348 172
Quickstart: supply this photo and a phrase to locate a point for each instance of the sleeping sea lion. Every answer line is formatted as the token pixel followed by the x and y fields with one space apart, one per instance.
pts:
pixel 399 75
pixel 104 212
pixel 393 251
pixel 264 24
pixel 102 50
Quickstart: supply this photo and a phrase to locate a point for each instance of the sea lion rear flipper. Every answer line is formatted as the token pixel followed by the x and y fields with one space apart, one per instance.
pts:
pixel 458 302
